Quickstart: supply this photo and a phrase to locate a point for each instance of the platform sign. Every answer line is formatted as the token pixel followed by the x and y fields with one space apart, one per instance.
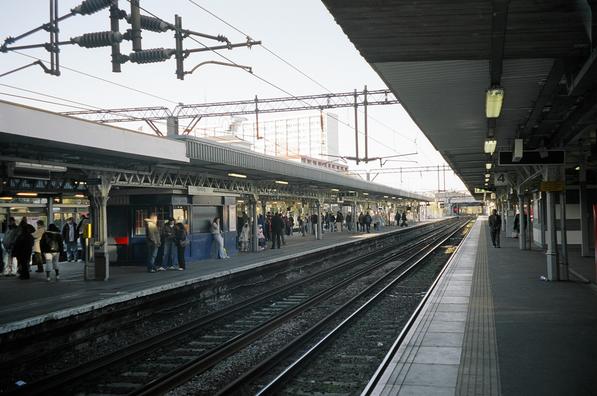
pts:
pixel 552 186
pixel 533 157
pixel 500 179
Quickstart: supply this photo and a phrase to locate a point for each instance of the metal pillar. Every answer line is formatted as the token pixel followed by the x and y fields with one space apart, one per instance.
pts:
pixel 552 255
pixel 521 222
pixel 50 211
pixel 542 211
pixel 529 224
pixel 99 201
pixel 585 214
pixel 563 238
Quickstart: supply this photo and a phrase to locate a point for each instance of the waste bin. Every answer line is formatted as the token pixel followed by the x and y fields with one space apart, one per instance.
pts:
pixel 96 262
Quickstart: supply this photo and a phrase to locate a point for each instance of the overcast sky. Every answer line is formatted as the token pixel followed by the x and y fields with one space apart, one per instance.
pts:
pixel 303 33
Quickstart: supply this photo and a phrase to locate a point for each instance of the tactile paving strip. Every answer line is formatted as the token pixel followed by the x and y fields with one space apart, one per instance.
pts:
pixel 478 373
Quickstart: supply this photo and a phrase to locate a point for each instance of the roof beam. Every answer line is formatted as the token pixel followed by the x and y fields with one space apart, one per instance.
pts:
pixel 499 18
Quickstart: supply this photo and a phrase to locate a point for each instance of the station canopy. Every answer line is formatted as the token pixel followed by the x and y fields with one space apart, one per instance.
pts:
pixel 77 150
pixel 441 57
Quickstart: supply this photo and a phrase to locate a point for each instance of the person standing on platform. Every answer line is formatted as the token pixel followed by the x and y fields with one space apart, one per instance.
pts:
pixel 70 236
pixel 495 225
pixel 277 229
pixel 51 246
pixel 516 228
pixel 38 259
pixel 82 232
pixel 361 222
pixel 169 260
pixel 403 218
pixel 349 221
pixel 397 217
pixel 153 240
pixel 10 269
pixel 367 220
pixel 216 232
pixel 339 221
pixel 23 247
pixel 245 237
pixel 182 241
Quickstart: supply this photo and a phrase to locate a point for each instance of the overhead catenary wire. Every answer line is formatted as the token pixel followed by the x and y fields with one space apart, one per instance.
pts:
pixel 43 101
pixel 299 71
pixel 274 85
pixel 103 79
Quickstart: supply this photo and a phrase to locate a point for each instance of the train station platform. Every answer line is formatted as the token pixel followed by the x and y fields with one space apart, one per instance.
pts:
pixel 35 301
pixel 492 326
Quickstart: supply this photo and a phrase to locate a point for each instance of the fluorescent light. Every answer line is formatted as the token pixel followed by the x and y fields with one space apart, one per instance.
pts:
pixel 385 196
pixel 365 193
pixel 335 189
pixel 50 168
pixel 577 168
pixel 79 195
pixel 493 102
pixel 488 165
pixel 488 175
pixel 239 201
pixel 281 182
pixel 490 145
pixel 27 194
pixel 237 175
pixel 6 198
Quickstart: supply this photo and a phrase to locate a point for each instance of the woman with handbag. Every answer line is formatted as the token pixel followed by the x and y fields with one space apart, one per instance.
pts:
pixel 182 241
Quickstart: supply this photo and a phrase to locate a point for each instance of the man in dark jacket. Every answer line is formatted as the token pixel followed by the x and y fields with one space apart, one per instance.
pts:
pixel 277 229
pixel 367 219
pixel 70 236
pixel 495 225
pixel 23 247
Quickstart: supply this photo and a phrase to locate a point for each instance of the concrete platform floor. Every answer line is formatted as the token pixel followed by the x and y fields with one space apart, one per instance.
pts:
pixel 26 302
pixel 521 335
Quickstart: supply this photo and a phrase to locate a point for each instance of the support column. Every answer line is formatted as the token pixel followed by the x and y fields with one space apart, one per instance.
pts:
pixel 529 224
pixel 542 219
pixel 563 238
pixel 585 223
pixel 50 210
pixel 99 200
pixel 552 247
pixel 521 222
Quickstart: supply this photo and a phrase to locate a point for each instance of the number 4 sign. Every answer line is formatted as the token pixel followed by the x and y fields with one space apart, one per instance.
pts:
pixel 500 179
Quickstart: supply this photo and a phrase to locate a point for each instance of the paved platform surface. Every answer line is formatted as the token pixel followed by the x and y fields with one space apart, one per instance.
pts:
pixel 492 327
pixel 25 303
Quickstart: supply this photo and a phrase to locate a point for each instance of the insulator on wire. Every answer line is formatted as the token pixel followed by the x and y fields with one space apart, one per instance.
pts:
pixel 151 55
pixel 89 7
pixel 97 39
pixel 151 23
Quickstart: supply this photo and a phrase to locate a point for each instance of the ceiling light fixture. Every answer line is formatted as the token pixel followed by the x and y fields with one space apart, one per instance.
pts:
pixel 27 194
pixel 237 175
pixel 281 182
pixel 490 145
pixel 494 98
pixel 488 165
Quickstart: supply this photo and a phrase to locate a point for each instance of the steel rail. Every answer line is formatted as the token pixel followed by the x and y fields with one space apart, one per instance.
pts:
pixel 67 376
pixel 185 372
pixel 267 364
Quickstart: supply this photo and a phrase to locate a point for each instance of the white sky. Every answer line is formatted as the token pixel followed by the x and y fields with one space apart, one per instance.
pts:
pixel 303 33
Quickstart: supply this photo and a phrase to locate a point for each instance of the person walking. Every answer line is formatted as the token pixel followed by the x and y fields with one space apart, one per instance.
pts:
pixel 51 246
pixel 182 241
pixel 10 269
pixel 23 247
pixel 218 238
pixel 169 260
pixel 277 229
pixel 38 259
pixel 495 225
pixel 70 236
pixel 153 240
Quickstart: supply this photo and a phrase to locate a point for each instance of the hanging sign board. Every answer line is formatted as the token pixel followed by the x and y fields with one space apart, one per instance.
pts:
pixel 552 186
pixel 532 157
pixel 500 179
pixel 194 190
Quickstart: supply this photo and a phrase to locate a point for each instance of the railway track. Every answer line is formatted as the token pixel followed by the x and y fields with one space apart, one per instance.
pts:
pixel 173 358
pixel 342 359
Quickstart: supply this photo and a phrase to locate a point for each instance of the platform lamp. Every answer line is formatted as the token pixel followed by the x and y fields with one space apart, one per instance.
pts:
pixel 494 97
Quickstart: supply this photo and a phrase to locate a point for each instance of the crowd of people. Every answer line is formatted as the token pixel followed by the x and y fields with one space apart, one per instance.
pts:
pixel 166 244
pixel 24 246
